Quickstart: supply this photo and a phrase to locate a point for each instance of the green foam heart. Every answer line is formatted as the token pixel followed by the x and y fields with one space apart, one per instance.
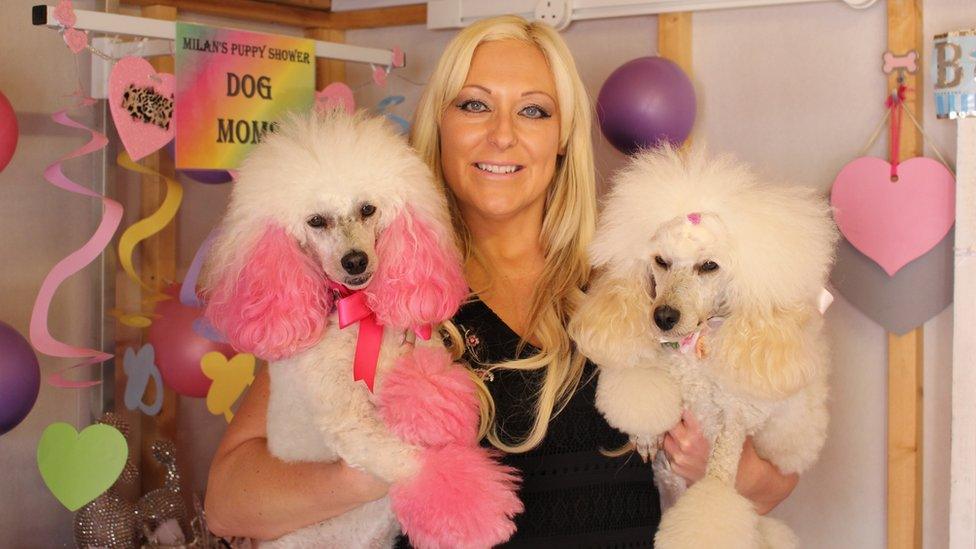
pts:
pixel 78 468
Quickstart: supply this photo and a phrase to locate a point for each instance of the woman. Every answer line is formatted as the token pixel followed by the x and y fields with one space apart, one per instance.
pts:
pixel 505 125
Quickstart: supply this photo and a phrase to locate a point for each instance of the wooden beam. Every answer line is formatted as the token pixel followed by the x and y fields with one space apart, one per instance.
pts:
pixel 320 5
pixel 412 14
pixel 328 70
pixel 158 268
pixel 298 16
pixel 674 38
pixel 905 357
pixel 674 43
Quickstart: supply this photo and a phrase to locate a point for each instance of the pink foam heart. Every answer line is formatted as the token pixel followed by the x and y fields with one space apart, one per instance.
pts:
pixel 894 223
pixel 335 94
pixel 144 118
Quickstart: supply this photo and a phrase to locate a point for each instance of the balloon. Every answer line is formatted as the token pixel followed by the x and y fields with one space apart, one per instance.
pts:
pixel 179 348
pixel 8 131
pixel 645 101
pixel 210 177
pixel 20 378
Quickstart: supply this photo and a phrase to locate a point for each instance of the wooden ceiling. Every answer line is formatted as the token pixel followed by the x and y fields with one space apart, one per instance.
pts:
pixel 299 13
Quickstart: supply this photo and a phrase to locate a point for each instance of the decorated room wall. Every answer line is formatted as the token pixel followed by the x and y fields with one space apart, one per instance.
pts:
pixel 795 90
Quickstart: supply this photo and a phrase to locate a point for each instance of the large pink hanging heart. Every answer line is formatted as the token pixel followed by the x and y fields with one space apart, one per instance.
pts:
pixel 142 103
pixel 894 223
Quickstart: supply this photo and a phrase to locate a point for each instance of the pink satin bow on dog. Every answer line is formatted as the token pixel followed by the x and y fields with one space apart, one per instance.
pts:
pixel 353 308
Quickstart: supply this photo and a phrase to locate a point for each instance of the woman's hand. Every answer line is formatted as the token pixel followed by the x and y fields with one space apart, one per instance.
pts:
pixel 687 449
pixel 760 480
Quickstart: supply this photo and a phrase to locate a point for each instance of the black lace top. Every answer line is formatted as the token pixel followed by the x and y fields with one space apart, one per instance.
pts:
pixel 574 496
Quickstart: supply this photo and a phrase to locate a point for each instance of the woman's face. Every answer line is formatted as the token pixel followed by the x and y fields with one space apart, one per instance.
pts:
pixel 499 137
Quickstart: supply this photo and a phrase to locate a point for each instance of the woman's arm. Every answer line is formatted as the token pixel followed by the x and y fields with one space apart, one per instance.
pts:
pixel 251 493
pixel 757 479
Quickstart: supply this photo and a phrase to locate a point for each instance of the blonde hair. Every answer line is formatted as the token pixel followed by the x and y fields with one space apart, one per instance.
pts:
pixel 568 222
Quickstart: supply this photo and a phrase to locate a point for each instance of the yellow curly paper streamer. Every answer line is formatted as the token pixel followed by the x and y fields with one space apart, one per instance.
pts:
pixel 141 230
pixel 230 379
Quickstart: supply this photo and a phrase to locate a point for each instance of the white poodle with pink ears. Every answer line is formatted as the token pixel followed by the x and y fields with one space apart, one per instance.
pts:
pixel 706 297
pixel 336 246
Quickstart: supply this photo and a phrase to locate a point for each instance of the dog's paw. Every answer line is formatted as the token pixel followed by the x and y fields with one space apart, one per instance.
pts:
pixel 647 446
pixel 461 498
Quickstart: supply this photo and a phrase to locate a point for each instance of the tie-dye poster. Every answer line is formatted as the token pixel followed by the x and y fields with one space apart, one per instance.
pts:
pixel 232 87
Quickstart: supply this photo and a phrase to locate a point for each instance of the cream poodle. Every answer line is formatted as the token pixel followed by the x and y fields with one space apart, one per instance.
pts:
pixel 706 298
pixel 336 243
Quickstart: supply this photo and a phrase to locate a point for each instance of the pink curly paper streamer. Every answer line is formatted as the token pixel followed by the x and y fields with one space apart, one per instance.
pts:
pixel 40 337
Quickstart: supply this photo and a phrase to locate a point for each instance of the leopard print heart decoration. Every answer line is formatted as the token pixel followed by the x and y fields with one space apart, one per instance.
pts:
pixel 142 103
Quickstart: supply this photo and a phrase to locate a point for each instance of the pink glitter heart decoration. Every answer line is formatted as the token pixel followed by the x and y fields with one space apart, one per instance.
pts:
pixel 65 13
pixel 144 118
pixel 894 223
pixel 76 40
pixel 334 95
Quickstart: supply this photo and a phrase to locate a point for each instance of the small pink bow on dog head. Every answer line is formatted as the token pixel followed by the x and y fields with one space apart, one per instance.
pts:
pixel 695 218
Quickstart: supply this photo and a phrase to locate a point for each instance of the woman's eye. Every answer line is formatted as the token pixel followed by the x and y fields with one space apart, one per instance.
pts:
pixel 316 222
pixel 661 262
pixel 367 210
pixel 535 111
pixel 473 105
pixel 708 267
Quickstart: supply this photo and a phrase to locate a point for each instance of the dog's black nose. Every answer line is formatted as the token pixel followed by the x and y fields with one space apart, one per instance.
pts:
pixel 666 317
pixel 355 262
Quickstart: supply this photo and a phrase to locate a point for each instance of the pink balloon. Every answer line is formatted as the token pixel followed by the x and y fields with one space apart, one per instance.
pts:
pixel 179 349
pixel 8 131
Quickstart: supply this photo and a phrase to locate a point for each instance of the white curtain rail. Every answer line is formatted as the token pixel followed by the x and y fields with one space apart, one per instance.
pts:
pixel 143 27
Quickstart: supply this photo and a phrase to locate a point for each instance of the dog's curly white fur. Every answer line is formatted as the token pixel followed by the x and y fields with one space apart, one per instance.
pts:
pixel 685 239
pixel 332 203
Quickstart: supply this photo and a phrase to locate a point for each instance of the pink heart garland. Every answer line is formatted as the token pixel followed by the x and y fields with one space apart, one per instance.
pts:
pixel 399 59
pixel 894 223
pixel 145 119
pixel 334 95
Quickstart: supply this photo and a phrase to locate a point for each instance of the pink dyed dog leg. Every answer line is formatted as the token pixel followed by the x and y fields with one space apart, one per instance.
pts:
pixel 429 401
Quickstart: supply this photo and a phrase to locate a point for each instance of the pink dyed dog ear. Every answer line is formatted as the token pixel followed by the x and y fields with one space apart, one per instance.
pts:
pixel 419 279
pixel 277 305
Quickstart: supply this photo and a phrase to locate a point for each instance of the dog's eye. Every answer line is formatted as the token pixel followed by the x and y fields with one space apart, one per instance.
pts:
pixel 367 210
pixel 708 267
pixel 317 222
pixel 661 262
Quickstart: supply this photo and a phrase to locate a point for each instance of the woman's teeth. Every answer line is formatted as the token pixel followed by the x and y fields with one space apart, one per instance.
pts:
pixel 493 168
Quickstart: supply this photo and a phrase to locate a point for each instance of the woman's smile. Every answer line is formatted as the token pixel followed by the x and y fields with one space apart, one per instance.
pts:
pixel 498 170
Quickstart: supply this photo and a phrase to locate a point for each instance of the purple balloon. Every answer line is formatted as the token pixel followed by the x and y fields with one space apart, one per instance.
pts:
pixel 645 101
pixel 20 378
pixel 210 177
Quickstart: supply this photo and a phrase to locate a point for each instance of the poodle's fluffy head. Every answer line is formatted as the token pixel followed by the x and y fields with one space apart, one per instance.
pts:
pixel 330 202
pixel 683 238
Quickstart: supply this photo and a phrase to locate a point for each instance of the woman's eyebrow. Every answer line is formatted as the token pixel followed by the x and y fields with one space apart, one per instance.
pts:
pixel 531 92
pixel 539 92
